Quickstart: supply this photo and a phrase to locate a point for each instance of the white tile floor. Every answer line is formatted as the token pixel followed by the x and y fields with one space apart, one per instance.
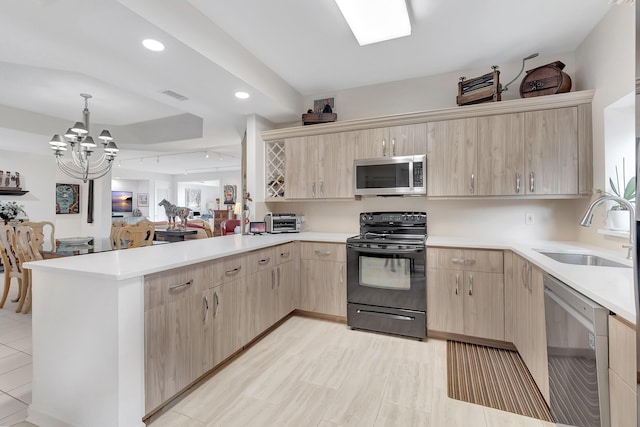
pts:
pixel 15 362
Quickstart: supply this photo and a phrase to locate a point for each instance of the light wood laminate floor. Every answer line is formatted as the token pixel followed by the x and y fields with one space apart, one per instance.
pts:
pixel 311 372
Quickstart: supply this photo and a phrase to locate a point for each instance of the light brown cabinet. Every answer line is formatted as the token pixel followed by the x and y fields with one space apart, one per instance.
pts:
pixel 622 373
pixel 543 152
pixel 452 157
pixel 530 337
pixel 465 292
pixel 323 286
pixel 392 141
pixel 175 331
pixel 319 166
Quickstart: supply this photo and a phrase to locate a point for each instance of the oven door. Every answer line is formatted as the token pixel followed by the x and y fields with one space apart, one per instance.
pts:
pixel 387 276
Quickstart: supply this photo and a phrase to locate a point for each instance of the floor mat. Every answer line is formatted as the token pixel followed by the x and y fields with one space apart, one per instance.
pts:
pixel 495 378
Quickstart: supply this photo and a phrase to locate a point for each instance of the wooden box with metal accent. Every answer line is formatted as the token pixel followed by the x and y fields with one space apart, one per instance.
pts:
pixel 485 88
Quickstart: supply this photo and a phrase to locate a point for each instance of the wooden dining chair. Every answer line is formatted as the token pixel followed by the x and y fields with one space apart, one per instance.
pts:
pixel 38 233
pixel 28 251
pixel 116 226
pixel 134 236
pixel 11 262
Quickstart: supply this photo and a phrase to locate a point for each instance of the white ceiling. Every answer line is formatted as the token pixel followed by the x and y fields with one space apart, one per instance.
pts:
pixel 278 51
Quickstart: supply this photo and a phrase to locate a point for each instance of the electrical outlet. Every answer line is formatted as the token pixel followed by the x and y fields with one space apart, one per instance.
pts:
pixel 529 218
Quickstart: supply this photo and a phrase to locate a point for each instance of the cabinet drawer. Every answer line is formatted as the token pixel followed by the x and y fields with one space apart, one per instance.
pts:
pixel 234 267
pixel 262 259
pixel 284 253
pixel 487 261
pixel 168 286
pixel 324 251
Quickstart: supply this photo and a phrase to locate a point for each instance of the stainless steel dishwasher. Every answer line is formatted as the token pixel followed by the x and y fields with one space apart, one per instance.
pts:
pixel 577 352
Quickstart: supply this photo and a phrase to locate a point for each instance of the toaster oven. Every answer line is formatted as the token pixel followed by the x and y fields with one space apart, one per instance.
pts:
pixel 282 223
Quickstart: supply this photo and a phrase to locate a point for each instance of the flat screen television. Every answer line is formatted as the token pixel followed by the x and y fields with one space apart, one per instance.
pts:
pixel 122 201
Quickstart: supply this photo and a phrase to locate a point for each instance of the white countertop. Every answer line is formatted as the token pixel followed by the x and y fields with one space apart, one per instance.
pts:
pixel 129 263
pixel 610 287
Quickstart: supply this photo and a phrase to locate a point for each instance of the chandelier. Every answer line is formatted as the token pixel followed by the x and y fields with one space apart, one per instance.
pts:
pixel 82 146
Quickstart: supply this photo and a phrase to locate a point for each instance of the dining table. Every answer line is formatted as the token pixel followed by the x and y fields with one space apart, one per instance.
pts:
pixel 81 246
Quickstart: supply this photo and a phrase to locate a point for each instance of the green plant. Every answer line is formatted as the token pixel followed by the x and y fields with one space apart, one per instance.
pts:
pixel 628 192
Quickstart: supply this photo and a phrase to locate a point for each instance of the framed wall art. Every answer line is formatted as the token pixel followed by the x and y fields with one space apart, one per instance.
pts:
pixel 67 198
pixel 230 194
pixel 192 198
pixel 143 199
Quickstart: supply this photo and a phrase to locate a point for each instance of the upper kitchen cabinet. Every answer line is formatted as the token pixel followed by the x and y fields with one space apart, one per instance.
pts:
pixel 551 151
pixel 319 166
pixel 451 157
pixel 537 147
pixel 392 141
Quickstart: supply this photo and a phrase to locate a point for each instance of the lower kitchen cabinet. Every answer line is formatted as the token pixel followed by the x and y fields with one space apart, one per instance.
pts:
pixel 622 373
pixel 465 292
pixel 175 330
pixel 323 287
pixel 220 308
pixel 530 337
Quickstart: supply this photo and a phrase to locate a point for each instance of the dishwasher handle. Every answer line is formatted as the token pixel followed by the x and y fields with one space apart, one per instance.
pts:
pixel 567 307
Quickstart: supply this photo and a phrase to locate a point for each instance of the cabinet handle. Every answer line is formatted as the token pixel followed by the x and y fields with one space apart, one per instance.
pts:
pixel 323 253
pixel 471 284
pixel 463 261
pixel 205 309
pixel 313 189
pixel 278 275
pixel 529 277
pixel 341 273
pixel 233 271
pixel 264 261
pixel 216 303
pixel 180 286
pixel 285 254
pixel 384 148
pixel 524 273
pixel 472 187
pixel 321 188
pixel 273 278
pixel 393 146
pixel 457 283
pixel 517 182
pixel 532 182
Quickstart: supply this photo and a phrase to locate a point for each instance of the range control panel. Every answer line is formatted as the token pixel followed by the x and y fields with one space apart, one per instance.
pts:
pixel 391 218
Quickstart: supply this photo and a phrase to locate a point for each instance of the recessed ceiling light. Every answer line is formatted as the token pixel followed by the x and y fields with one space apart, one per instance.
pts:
pixel 375 21
pixel 153 45
pixel 242 95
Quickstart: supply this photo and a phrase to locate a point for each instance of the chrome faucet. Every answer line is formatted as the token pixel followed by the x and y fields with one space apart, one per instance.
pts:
pixel 588 217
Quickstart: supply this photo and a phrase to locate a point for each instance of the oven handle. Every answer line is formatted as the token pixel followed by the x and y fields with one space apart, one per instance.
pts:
pixel 385 251
pixel 385 315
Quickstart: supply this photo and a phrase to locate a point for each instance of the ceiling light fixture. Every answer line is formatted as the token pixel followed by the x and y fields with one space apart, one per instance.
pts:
pixel 206 154
pixel 375 21
pixel 153 45
pixel 242 95
pixel 82 147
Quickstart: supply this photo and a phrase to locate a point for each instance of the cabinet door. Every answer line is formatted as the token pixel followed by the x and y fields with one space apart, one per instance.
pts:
pixel 312 278
pixel 408 140
pixel 371 143
pixel 551 151
pixel 538 333
pixel 301 160
pixel 221 322
pixel 484 305
pixel 451 157
pixel 336 153
pixel 501 155
pixel 521 306
pixel 445 300
pixel 336 289
pixel 285 300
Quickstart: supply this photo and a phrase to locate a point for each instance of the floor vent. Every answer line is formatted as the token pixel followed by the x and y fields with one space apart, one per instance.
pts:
pixel 175 95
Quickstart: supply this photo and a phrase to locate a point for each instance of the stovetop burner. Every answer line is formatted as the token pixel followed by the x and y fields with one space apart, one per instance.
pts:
pixel 393 228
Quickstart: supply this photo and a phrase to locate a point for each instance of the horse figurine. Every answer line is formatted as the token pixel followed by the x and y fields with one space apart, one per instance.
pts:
pixel 173 211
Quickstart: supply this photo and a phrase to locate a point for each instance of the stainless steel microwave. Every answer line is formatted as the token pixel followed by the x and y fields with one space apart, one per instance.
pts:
pixel 390 176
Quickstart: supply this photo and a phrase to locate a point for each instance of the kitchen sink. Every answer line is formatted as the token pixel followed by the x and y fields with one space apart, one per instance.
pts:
pixel 582 259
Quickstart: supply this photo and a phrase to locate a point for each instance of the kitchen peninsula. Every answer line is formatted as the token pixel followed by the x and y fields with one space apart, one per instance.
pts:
pixel 89 313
